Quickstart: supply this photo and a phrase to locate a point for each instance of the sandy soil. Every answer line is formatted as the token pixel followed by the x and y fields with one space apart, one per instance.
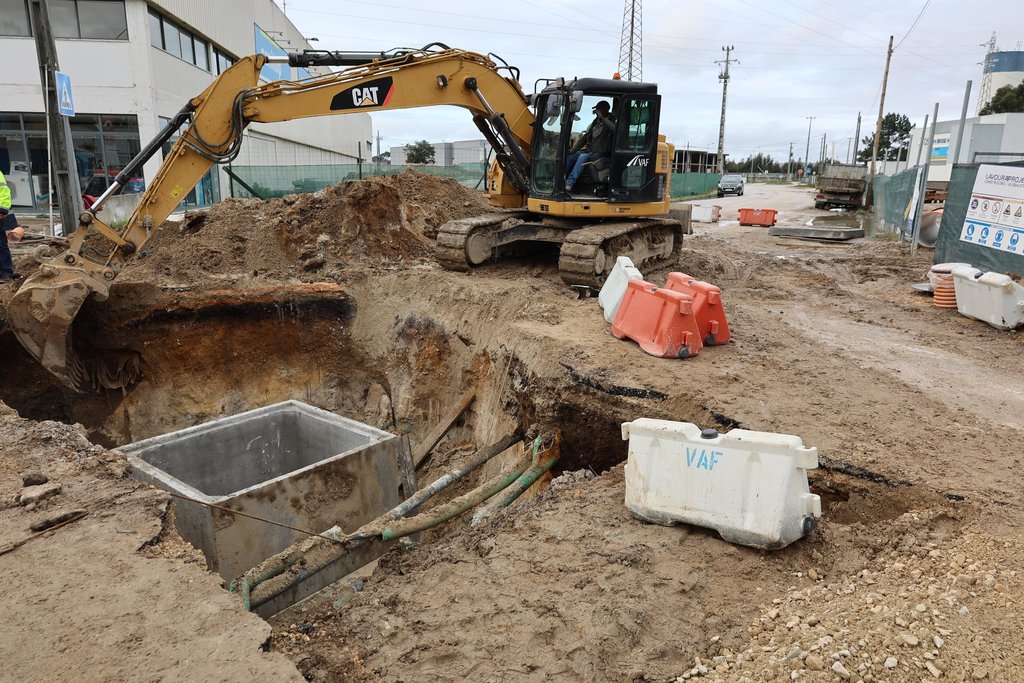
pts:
pixel 913 573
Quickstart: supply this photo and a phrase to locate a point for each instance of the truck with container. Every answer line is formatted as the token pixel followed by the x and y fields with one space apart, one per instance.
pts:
pixel 841 186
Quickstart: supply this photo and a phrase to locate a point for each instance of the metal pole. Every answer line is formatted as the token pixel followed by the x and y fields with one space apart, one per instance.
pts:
pixel 68 188
pixel 359 158
pixel 955 157
pixel 807 152
pixel 856 140
pixel 924 188
pixel 49 157
pixel 878 124
pixel 920 146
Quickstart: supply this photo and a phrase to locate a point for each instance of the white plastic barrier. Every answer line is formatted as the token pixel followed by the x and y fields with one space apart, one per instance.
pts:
pixel 750 487
pixel 705 213
pixel 993 298
pixel 615 286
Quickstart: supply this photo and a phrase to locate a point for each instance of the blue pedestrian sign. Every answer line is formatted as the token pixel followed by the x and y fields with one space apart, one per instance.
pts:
pixel 65 102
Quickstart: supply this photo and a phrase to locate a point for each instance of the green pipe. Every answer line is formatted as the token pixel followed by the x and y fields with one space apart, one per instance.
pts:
pixel 453 508
pixel 528 479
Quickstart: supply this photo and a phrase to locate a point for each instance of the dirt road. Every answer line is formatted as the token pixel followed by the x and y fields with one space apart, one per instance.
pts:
pixel 916 412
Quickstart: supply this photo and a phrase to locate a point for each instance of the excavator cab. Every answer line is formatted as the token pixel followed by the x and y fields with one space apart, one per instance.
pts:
pixel 628 174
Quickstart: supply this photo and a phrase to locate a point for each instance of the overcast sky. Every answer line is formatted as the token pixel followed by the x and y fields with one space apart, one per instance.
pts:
pixel 800 58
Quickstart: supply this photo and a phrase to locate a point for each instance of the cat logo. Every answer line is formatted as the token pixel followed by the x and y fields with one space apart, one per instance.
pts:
pixel 375 93
pixel 638 160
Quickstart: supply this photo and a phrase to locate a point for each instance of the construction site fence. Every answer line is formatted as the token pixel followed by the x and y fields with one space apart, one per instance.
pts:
pixel 277 181
pixel 892 199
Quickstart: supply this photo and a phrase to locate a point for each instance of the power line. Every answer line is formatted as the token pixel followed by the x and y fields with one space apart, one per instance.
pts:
pixel 912 26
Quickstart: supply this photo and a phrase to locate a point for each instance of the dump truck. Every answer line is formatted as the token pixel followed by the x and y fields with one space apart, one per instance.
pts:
pixel 841 185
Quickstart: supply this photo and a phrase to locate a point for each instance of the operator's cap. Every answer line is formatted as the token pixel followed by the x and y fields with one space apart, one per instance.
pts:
pixel 603 104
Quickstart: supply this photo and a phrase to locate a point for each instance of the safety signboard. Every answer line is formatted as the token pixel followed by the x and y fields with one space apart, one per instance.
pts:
pixel 65 102
pixel 995 214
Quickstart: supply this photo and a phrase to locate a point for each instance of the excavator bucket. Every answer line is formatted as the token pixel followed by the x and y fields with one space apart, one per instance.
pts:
pixel 41 314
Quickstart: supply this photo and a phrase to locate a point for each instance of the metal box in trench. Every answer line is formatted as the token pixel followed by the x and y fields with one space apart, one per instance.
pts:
pixel 288 462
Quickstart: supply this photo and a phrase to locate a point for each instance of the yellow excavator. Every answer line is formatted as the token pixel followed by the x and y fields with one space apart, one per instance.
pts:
pixel 618 207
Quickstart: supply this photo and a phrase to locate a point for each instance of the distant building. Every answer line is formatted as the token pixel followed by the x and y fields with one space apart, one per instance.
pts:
pixel 694 161
pixel 1000 69
pixel 133 65
pixel 993 139
pixel 450 153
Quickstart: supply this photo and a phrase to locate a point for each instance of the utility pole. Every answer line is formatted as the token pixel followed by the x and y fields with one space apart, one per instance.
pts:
pixel 807 152
pixel 848 141
pixel 379 160
pixel 856 140
pixel 878 124
pixel 789 163
pixel 821 154
pixel 61 151
pixel 724 77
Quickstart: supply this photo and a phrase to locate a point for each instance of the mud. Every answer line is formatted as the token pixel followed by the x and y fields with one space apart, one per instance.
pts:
pixel 915 412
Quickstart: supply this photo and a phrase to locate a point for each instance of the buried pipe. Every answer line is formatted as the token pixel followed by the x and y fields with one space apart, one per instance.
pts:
pixel 541 462
pixel 424 494
pixel 326 552
pixel 340 544
pixel 453 508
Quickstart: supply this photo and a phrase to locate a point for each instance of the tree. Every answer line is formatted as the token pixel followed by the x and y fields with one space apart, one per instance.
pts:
pixel 894 143
pixel 1007 100
pixel 421 152
pixel 383 158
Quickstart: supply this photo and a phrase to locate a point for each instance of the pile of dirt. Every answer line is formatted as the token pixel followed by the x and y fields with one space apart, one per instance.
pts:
pixel 382 221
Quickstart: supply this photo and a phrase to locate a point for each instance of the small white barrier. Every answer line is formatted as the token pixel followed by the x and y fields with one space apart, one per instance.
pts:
pixel 615 286
pixel 706 213
pixel 750 487
pixel 993 298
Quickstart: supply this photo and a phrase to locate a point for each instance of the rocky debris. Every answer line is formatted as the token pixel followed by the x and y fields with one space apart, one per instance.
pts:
pixel 36 494
pixel 33 479
pixel 841 670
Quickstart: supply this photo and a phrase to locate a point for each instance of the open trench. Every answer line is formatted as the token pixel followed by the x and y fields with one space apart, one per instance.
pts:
pixel 391 363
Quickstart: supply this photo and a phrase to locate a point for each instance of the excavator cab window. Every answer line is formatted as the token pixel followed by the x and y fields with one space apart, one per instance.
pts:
pixel 547 141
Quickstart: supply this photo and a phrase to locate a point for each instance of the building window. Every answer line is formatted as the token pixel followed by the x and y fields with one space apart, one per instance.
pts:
pixel 221 61
pixel 103 144
pixel 97 19
pixel 14 18
pixel 180 42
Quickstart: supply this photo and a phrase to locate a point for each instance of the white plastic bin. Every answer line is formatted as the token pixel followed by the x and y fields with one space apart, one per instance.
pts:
pixel 615 286
pixel 750 487
pixel 993 298
pixel 706 213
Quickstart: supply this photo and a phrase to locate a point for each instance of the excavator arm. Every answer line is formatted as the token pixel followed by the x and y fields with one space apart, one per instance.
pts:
pixel 211 124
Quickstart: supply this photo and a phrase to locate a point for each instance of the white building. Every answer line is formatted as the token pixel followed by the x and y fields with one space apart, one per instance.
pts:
pixel 133 64
pixel 987 139
pixel 450 153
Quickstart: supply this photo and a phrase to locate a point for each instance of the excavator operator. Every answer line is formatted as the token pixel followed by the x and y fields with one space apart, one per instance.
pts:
pixel 594 146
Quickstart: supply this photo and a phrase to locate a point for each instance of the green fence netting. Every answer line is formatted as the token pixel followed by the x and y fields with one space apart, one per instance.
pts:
pixel 950 248
pixel 278 181
pixel 691 184
pixel 892 197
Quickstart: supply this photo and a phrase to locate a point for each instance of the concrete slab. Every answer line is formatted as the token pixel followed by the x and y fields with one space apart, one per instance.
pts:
pixel 288 462
pixel 831 233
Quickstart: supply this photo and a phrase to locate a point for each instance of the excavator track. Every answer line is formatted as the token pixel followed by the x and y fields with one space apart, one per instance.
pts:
pixel 468 242
pixel 588 254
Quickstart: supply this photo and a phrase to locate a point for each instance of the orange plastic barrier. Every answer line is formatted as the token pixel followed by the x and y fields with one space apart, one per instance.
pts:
pixel 659 320
pixel 763 217
pixel 707 307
